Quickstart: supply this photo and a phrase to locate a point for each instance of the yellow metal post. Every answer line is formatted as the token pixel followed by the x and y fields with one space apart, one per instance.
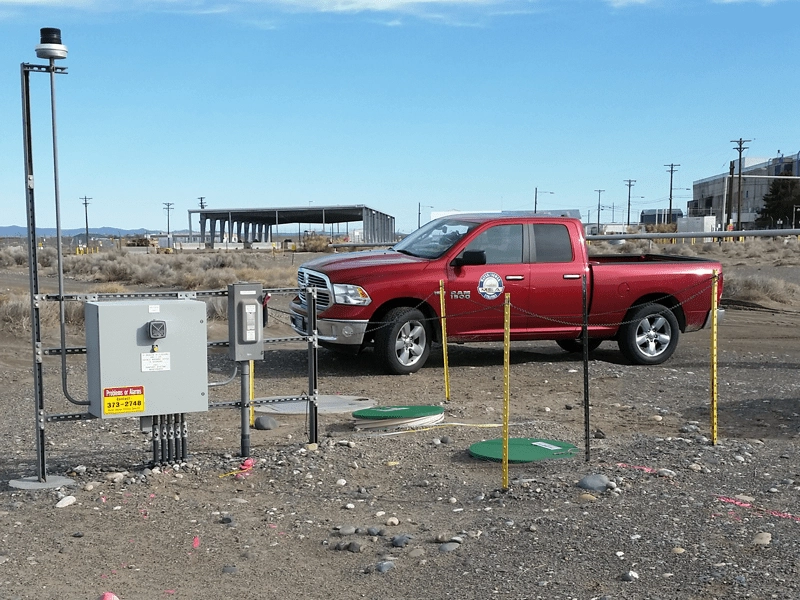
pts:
pixel 444 342
pixel 506 362
pixel 714 389
pixel 252 394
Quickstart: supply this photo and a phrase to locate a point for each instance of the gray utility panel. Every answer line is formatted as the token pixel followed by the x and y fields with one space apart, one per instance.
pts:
pixel 245 321
pixel 146 357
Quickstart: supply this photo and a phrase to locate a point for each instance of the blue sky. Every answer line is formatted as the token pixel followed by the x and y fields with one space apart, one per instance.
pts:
pixel 452 104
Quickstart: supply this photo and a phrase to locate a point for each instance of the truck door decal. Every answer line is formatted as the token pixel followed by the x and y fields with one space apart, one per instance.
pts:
pixel 490 285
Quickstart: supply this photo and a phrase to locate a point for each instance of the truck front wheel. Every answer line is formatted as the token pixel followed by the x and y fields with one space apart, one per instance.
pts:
pixel 650 335
pixel 402 343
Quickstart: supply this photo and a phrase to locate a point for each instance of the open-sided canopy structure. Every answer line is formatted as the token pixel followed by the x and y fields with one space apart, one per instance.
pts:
pixel 250 224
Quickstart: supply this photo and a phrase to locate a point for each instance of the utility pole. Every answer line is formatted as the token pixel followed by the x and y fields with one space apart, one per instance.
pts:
pixel 629 183
pixel 740 146
pixel 168 207
pixel 202 202
pixel 672 170
pixel 86 214
pixel 598 209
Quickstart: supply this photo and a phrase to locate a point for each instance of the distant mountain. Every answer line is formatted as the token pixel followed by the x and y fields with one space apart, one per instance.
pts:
pixel 18 231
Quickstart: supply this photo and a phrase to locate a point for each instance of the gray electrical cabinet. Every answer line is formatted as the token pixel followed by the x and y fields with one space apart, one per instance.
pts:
pixel 146 357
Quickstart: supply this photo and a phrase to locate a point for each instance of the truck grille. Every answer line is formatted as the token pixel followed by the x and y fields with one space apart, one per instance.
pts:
pixel 306 278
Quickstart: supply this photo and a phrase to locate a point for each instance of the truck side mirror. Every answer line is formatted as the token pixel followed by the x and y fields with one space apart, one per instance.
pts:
pixel 469 257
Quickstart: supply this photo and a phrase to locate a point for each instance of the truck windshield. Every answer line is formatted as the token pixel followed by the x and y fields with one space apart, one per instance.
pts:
pixel 435 238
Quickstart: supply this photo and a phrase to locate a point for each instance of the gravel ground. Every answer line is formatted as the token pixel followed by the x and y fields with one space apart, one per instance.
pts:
pixel 413 515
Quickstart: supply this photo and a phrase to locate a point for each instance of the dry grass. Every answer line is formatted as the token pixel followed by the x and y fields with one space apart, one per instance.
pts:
pixel 207 271
pixel 758 288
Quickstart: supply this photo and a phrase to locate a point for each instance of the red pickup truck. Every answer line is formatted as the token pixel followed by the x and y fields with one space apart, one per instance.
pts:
pixel 390 298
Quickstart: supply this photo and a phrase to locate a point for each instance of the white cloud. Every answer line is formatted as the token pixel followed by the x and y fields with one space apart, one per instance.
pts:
pixel 624 3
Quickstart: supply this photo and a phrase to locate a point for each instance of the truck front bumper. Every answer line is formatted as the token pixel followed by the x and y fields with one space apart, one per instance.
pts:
pixel 332 331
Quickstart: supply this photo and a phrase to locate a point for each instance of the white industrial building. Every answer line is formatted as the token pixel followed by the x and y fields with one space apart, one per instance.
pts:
pixel 718 196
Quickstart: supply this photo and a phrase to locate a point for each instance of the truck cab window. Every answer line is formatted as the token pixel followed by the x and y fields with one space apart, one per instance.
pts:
pixel 501 243
pixel 552 243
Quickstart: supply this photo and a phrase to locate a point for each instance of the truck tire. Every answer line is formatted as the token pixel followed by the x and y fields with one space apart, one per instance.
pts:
pixel 650 335
pixel 403 342
pixel 577 345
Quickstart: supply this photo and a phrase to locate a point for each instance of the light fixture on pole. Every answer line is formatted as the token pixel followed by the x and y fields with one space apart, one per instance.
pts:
pixel 420 206
pixel 536 198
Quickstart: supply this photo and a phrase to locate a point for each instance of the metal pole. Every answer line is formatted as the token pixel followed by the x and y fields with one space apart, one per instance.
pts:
pixel 59 250
pixel 585 336
pixel 598 209
pixel 33 270
pixel 313 364
pixel 245 407
pixel 506 382
pixel 444 341
pixel 535 199
pixel 714 389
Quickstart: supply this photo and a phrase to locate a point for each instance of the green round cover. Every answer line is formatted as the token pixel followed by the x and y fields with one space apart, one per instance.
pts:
pixel 522 450
pixel 398 412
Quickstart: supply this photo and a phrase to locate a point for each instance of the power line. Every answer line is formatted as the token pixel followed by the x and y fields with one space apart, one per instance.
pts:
pixel 202 201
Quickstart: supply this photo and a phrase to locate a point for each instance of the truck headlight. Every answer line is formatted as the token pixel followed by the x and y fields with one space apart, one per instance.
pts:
pixel 350 294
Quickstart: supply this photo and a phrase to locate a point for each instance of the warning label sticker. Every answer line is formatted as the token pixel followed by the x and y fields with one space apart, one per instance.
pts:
pixel 122 400
pixel 155 361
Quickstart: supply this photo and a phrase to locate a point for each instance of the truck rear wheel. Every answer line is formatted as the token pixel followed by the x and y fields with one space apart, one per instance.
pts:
pixel 650 335
pixel 403 342
pixel 577 345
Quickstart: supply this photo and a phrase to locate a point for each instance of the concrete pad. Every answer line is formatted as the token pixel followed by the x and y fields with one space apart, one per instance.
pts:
pixel 325 405
pixel 33 483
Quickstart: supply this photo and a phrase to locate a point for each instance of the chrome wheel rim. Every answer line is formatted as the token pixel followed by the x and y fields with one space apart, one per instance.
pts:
pixel 410 343
pixel 653 335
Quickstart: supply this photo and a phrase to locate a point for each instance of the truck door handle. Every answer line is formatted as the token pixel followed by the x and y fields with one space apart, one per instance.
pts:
pixel 515 277
pixel 571 276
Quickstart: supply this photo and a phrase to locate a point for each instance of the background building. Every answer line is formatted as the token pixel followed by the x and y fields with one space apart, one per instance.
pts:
pixel 718 196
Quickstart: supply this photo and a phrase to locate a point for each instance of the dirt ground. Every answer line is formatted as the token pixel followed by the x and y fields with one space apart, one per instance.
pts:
pixel 413 515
